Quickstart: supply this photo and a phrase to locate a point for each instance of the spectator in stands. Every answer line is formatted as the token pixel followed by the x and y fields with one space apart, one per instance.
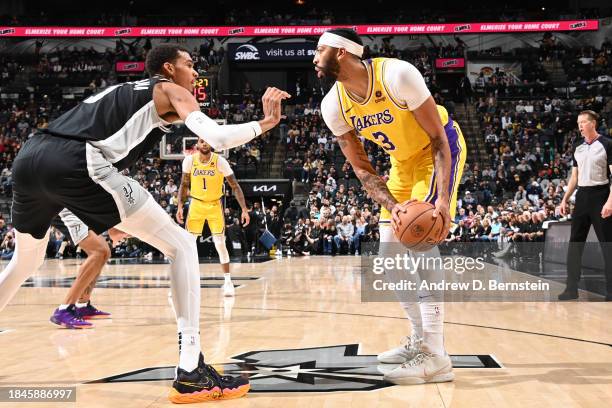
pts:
pixel 344 238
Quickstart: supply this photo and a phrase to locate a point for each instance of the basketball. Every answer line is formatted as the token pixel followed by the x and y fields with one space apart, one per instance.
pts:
pixel 419 230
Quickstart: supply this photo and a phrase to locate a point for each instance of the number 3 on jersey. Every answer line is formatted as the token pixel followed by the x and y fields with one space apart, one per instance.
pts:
pixel 385 142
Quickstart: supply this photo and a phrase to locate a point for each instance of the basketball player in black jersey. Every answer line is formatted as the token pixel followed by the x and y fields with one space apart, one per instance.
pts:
pixel 75 163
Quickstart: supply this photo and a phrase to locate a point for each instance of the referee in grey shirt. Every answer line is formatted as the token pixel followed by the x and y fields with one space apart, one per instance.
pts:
pixel 591 169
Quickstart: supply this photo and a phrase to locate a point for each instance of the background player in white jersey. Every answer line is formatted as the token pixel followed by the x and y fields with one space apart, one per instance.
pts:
pixel 75 163
pixel 203 176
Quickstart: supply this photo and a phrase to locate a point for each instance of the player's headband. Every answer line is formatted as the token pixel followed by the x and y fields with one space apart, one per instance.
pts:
pixel 336 41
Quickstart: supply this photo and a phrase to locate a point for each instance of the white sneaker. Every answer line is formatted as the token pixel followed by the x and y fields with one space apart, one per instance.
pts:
pixel 424 368
pixel 410 347
pixel 228 289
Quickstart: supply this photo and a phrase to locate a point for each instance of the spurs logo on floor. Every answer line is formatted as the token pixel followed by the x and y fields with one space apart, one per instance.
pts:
pixel 319 369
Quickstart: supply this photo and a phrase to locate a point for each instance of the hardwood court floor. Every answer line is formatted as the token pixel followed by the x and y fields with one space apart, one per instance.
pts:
pixel 552 354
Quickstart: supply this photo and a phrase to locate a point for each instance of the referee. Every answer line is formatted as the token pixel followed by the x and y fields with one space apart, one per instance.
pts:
pixel 592 164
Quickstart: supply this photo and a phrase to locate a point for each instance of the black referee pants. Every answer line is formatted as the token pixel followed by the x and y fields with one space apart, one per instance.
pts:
pixel 587 212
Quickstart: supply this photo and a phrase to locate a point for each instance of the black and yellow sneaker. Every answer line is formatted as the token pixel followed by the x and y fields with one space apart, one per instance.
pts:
pixel 206 384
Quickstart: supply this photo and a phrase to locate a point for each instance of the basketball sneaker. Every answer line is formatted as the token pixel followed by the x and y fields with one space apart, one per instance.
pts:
pixel 91 312
pixel 423 368
pixel 204 383
pixel 409 348
pixel 69 319
pixel 228 288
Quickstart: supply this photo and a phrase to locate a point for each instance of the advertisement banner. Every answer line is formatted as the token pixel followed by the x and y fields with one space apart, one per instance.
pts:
pixel 130 66
pixel 300 31
pixel 450 63
pixel 266 187
pixel 271 52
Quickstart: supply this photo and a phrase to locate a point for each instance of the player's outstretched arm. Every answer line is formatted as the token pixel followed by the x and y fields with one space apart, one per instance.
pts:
pixel 377 189
pixel 179 100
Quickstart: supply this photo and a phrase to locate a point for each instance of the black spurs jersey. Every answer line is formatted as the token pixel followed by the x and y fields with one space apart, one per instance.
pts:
pixel 121 121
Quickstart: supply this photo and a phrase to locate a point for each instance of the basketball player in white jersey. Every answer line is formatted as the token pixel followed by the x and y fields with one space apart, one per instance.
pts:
pixel 75 163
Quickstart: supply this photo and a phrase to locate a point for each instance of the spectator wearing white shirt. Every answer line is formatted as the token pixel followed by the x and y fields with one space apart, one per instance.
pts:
pixel 170 187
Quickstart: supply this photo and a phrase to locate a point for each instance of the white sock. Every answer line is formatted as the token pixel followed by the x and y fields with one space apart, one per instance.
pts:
pixel 81 304
pixel 433 327
pixel 413 311
pixel 153 225
pixel 63 307
pixel 227 276
pixel 189 349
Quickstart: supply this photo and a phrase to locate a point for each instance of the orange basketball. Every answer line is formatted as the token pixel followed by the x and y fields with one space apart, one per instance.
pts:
pixel 419 230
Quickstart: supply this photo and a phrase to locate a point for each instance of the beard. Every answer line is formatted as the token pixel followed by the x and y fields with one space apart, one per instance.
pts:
pixel 330 73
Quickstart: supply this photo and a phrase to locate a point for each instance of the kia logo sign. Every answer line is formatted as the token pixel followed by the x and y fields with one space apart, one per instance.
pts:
pixel 463 27
pixel 247 52
pixel 264 188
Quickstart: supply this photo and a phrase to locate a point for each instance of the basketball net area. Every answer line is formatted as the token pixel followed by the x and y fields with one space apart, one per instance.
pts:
pixel 181 142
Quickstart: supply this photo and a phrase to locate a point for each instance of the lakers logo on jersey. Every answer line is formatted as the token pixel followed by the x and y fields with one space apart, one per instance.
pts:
pixel 201 172
pixel 364 122
pixel 206 179
pixel 383 119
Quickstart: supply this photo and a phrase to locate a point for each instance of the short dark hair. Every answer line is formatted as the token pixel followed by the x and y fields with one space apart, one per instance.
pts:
pixel 591 114
pixel 347 33
pixel 160 54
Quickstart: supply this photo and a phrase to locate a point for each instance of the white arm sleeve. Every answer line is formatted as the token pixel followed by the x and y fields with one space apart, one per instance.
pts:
pixel 332 114
pixel 221 137
pixel 406 83
pixel 224 167
pixel 187 163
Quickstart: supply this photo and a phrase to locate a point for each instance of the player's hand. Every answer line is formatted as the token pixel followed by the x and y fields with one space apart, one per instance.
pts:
pixel 117 236
pixel 179 215
pixel 563 208
pixel 271 101
pixel 443 211
pixel 398 208
pixel 606 211
pixel 246 219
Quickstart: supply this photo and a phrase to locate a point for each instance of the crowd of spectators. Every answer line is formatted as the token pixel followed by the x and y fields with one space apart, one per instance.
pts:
pixel 79 66
pixel 507 196
pixel 584 70
pixel 520 183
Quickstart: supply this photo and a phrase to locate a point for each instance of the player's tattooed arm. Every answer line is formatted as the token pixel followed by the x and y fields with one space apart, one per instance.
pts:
pixel 244 217
pixel 233 183
pixel 353 150
pixel 184 189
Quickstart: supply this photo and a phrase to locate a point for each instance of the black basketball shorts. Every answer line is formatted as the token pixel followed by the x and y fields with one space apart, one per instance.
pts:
pixel 51 173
